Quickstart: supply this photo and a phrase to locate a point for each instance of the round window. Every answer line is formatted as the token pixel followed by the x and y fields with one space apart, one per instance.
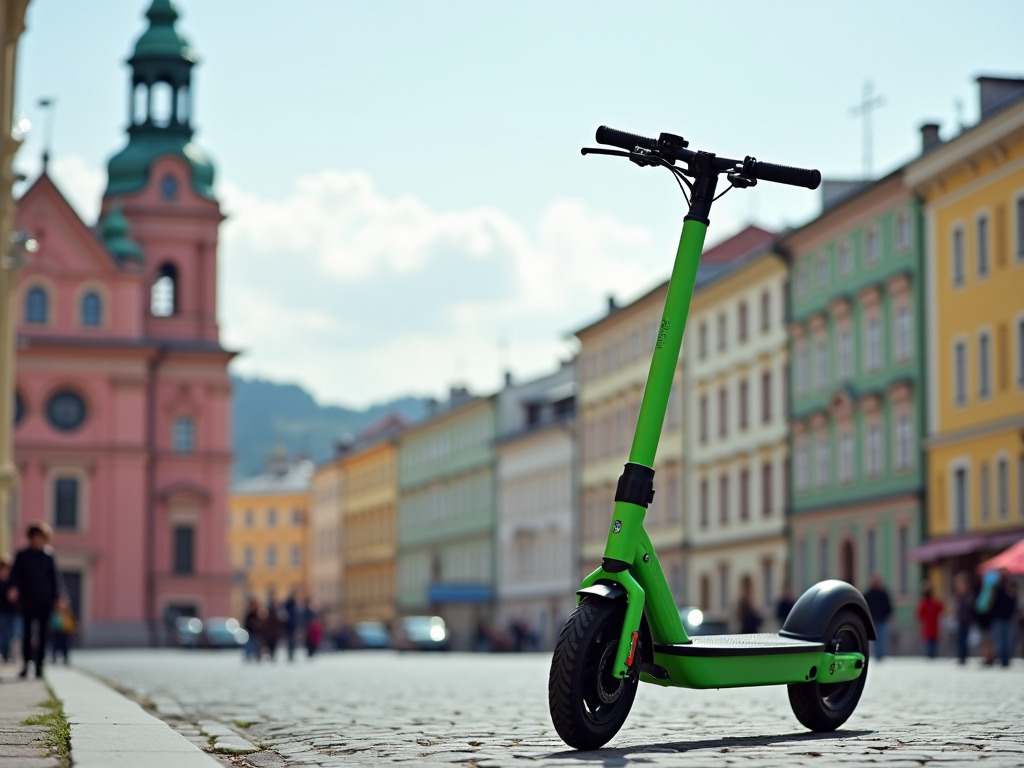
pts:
pixel 169 187
pixel 66 411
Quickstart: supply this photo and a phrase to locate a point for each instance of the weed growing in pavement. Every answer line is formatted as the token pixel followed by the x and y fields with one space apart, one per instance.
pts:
pixel 58 730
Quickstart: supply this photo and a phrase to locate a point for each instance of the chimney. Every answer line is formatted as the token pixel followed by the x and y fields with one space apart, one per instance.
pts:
pixel 994 93
pixel 612 306
pixel 930 136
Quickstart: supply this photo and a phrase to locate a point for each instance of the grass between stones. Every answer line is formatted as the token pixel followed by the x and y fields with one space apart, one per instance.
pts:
pixel 58 731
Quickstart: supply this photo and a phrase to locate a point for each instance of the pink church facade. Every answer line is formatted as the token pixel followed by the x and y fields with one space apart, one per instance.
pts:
pixel 123 434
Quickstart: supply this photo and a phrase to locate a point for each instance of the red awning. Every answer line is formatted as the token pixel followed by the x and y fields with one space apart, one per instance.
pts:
pixel 1012 560
pixel 954 546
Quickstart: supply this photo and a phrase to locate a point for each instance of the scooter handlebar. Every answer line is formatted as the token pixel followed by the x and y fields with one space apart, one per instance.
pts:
pixel 623 140
pixel 784 174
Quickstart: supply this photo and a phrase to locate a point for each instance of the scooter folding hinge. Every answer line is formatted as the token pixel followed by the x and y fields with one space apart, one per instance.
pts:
pixel 636 485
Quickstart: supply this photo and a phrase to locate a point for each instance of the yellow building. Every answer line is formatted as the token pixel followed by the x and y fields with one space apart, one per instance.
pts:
pixel 369 524
pixel 973 192
pixel 267 534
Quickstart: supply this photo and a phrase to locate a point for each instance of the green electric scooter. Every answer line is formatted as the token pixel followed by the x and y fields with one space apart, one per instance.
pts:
pixel 626 628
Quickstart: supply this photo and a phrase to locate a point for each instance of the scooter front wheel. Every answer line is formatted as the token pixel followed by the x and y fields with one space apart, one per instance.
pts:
pixel 588 703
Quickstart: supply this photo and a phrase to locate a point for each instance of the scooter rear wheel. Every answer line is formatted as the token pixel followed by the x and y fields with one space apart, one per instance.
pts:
pixel 826 706
pixel 588 703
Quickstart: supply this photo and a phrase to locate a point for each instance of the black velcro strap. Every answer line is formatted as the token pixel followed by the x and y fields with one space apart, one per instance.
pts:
pixel 636 485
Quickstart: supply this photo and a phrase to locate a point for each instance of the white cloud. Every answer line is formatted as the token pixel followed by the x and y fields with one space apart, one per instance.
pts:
pixel 363 297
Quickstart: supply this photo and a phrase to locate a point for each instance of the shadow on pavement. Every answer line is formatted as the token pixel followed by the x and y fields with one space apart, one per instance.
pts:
pixel 625 755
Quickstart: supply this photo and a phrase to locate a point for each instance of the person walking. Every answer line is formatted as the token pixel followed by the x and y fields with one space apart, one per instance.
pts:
pixel 253 624
pixel 784 606
pixel 291 624
pixel 273 625
pixel 1004 609
pixel 314 629
pixel 928 612
pixel 35 587
pixel 747 616
pixel 964 597
pixel 8 611
pixel 880 606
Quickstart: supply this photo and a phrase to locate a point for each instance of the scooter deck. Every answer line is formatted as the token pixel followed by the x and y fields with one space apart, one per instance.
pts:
pixel 763 644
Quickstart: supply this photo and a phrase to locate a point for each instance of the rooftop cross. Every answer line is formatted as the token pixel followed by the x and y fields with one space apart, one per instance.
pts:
pixel 869 102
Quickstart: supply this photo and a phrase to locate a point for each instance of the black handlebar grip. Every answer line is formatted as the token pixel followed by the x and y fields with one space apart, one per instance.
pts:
pixel 623 140
pixel 784 174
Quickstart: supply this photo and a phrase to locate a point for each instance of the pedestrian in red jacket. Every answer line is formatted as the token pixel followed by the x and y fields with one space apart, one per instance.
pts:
pixel 928 612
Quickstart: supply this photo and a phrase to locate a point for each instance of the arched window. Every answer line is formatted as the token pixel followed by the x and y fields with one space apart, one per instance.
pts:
pixel 184 434
pixel 140 104
pixel 181 111
pixel 92 309
pixel 37 306
pixel 163 297
pixel 161 104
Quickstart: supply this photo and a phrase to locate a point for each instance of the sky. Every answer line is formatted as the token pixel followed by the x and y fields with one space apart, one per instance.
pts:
pixel 407 206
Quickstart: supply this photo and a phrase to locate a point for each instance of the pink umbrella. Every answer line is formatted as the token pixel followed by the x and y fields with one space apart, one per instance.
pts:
pixel 1011 559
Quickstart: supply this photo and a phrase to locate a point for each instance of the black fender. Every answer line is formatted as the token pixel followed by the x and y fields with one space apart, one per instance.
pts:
pixel 607 589
pixel 814 610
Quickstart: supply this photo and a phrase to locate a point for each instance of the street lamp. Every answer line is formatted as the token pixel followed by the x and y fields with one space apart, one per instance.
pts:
pixel 11 262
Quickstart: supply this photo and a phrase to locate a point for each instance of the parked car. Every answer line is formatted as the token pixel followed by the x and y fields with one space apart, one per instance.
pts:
pixel 422 633
pixel 224 633
pixel 695 623
pixel 370 634
pixel 188 632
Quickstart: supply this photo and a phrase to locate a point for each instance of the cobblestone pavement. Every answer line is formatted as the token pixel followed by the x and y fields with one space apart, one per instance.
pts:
pixel 369 708
pixel 23 746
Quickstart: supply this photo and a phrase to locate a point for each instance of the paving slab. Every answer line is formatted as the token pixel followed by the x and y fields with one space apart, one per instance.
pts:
pixel 23 746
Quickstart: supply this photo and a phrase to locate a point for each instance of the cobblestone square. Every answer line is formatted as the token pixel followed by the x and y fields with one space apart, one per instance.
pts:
pixel 370 708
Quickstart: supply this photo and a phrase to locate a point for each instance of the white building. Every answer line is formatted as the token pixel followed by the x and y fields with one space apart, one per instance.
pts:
pixel 535 453
pixel 736 352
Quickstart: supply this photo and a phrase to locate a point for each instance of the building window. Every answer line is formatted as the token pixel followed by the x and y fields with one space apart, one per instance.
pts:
pixel 702 340
pixel 744 494
pixel 705 502
pixel 801 467
pixel 295 556
pixel 722 331
pixel 766 489
pixel 742 321
pixel 163 295
pixel 723 499
pixel 1003 488
pixel 271 555
pixel 904 441
pixel 845 258
pixel 271 518
pixel 250 518
pixel 723 412
pixel 723 587
pixel 296 517
pixel 744 405
pixel 873 449
pixel 873 344
pixel 903 537
pixel 766 397
pixel 872 249
pixel 960 499
pixel 903 233
pixel 984 364
pixel 767 572
pixel 821 271
pixel 904 333
pixel 801 369
pixel 981 242
pixel 824 460
pixel 184 550
pixel 823 558
pixel 960 372
pixel 821 363
pixel 703 418
pixel 66 411
pixel 65 503
pixel 959 271
pixel 705 592
pixel 766 311
pixel 184 434
pixel 801 278
pixel 983 483
pixel 844 360
pixel 801 564
pixel 247 558
pixel 37 306
pixel 92 310
pixel 846 457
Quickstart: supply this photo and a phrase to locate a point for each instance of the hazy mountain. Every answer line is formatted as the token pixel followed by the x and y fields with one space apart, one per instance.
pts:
pixel 268 414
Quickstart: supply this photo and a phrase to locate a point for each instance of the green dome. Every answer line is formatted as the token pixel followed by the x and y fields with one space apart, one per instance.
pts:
pixel 128 170
pixel 162 40
pixel 114 231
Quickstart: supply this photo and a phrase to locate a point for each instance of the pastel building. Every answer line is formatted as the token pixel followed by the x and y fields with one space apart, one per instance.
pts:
pixel 858 395
pixel 973 192
pixel 446 516
pixel 122 433
pixel 535 451
pixel 736 445
pixel 325 563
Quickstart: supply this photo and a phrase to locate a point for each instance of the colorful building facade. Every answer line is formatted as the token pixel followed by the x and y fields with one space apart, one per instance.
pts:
pixel 446 517
pixel 736 361
pixel 973 192
pixel 123 435
pixel 857 394
pixel 325 564
pixel 535 452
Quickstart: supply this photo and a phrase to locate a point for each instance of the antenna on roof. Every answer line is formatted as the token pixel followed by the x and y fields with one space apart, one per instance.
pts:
pixel 50 104
pixel 869 102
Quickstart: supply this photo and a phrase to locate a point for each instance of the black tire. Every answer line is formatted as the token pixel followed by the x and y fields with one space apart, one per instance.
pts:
pixel 824 707
pixel 588 705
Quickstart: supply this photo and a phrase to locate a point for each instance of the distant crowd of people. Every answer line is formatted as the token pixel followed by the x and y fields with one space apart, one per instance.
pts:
pixel 271 622
pixel 34 608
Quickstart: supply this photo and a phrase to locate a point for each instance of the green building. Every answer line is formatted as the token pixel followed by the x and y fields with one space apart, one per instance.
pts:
pixel 446 516
pixel 857 394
